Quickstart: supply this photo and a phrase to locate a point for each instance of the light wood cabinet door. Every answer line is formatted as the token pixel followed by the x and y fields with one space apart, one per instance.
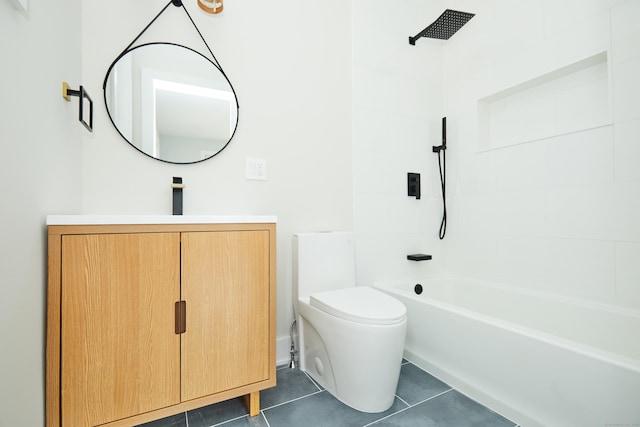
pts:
pixel 225 283
pixel 119 351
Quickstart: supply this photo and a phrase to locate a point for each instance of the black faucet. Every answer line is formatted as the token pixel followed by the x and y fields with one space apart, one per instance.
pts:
pixel 177 186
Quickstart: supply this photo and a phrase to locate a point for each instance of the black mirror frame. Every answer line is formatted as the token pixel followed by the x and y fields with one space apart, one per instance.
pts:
pixel 214 62
pixel 216 66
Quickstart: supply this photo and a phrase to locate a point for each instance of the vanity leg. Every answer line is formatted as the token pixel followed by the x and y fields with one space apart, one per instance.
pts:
pixel 253 403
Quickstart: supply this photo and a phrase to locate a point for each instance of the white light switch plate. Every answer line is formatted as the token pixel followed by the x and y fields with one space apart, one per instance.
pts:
pixel 256 169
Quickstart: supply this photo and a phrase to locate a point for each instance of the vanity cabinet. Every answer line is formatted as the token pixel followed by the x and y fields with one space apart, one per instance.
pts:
pixel 148 320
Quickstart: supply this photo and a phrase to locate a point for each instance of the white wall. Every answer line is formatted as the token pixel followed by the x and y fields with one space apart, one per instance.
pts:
pixel 41 172
pixel 559 212
pixel 397 110
pixel 290 64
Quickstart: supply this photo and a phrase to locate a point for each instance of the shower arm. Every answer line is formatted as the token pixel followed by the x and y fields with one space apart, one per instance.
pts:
pixel 412 40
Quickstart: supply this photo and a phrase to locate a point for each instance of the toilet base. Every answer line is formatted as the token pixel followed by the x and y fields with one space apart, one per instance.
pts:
pixel 358 364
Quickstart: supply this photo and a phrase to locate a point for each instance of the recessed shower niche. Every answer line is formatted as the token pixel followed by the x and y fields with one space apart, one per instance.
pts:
pixel 568 99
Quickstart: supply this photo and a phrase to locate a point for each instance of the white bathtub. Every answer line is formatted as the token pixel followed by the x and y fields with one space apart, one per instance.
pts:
pixel 537 360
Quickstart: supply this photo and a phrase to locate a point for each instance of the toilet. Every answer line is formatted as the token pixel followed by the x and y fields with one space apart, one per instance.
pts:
pixel 350 338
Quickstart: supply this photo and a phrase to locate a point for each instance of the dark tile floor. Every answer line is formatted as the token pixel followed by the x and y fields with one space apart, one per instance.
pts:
pixel 421 400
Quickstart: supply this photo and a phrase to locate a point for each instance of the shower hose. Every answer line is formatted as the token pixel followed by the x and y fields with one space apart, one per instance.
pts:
pixel 442 166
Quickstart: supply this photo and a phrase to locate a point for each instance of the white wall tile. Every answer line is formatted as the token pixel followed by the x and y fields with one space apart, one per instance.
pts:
pixel 381 257
pixel 373 176
pixel 580 267
pixel 607 212
pixel 380 38
pixel 531 120
pixel 372 132
pixel 475 213
pixel 474 173
pixel 628 272
pixel 466 137
pixel 367 255
pixel 382 90
pixel 409 215
pixel 625 32
pixel 562 15
pixel 580 158
pixel 576 267
pixel 568 99
pixel 584 212
pixel 627 150
pixel 521 261
pixel 583 40
pixel 583 107
pixel 519 213
pixel 626 90
pixel 369 132
pixel 626 211
pixel 520 167
pixel 471 255
pixel 372 212
pixel 515 24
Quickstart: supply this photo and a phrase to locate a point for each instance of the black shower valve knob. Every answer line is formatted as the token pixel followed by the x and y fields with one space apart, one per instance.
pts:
pixel 413 185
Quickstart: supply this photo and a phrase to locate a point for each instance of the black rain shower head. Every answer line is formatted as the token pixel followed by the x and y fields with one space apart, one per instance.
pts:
pixel 445 26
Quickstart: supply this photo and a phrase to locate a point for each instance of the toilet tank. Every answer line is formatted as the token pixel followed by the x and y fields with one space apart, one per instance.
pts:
pixel 322 261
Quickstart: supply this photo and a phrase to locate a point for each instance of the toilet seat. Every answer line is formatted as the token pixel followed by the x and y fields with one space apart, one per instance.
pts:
pixel 360 304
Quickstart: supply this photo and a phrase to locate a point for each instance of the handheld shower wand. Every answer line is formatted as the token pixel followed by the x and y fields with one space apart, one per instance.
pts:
pixel 442 166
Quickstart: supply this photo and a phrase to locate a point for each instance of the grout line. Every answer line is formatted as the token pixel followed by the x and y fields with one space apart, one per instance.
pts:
pixel 429 398
pixel 293 400
pixel 264 417
pixel 403 401
pixel 241 417
pixel 230 419
pixel 409 407
pixel 313 381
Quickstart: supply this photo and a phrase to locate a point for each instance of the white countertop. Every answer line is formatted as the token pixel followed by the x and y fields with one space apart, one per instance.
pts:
pixel 158 219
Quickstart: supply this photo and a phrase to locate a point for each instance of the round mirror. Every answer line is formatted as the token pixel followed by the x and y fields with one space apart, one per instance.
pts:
pixel 171 102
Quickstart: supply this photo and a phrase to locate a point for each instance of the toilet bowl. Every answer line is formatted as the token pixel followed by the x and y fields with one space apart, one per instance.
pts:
pixel 350 338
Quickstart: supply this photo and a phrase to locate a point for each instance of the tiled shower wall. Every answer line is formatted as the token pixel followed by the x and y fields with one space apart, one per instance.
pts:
pixel 555 206
pixel 542 100
pixel 397 106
